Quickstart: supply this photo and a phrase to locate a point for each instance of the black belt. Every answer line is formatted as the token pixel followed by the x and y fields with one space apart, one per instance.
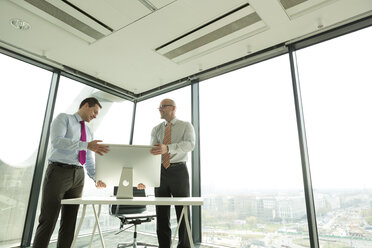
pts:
pixel 68 166
pixel 177 164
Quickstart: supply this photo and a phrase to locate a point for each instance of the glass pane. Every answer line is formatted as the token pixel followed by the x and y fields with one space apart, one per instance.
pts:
pixel 23 97
pixel 147 117
pixel 112 125
pixel 336 83
pixel 251 174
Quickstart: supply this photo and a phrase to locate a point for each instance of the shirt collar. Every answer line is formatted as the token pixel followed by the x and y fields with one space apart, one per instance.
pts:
pixel 173 122
pixel 77 116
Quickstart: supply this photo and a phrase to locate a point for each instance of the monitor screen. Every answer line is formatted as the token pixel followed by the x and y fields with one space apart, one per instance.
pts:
pixel 146 167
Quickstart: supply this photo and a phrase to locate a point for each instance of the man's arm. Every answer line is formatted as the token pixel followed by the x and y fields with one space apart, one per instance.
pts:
pixel 89 163
pixel 91 170
pixel 57 135
pixel 154 139
pixel 89 166
pixel 188 142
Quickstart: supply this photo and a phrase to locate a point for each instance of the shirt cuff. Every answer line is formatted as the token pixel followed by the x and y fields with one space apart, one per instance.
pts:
pixel 170 148
pixel 83 145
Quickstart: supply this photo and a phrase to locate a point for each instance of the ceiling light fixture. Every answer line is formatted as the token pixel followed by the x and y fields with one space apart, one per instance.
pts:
pixel 20 24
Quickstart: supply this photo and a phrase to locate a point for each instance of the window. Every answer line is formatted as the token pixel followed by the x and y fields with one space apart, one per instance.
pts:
pixel 23 97
pixel 336 85
pixel 251 176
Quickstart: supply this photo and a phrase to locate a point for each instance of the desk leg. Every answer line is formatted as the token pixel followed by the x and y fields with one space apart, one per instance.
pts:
pixel 184 215
pixel 178 226
pixel 188 226
pixel 97 224
pixel 80 223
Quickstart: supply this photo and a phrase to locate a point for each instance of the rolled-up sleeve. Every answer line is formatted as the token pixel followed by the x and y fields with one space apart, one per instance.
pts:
pixel 89 163
pixel 154 139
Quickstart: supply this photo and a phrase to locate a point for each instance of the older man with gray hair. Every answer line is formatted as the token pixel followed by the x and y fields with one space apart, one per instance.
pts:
pixel 173 139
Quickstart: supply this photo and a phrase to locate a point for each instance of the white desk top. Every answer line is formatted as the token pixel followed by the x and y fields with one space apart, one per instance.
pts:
pixel 159 201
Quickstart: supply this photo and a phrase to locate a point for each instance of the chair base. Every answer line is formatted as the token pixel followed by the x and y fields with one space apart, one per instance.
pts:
pixel 135 245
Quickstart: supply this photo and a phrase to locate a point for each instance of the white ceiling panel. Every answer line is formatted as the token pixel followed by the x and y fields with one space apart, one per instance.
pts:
pixel 127 57
pixel 114 13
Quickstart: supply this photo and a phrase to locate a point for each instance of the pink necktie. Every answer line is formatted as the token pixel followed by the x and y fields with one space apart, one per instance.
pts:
pixel 83 153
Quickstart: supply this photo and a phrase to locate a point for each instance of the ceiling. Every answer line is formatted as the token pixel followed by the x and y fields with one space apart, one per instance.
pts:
pixel 141 45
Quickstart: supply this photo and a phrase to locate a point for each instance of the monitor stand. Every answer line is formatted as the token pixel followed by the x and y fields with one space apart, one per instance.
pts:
pixel 125 189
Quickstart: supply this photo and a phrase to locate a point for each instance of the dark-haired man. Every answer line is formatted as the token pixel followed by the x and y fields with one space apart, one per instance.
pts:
pixel 72 146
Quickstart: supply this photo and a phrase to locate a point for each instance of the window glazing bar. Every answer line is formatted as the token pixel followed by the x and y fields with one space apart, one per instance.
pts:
pixel 40 162
pixel 24 58
pixel 133 122
pixel 309 198
pixel 195 178
pixel 334 33
pixel 100 85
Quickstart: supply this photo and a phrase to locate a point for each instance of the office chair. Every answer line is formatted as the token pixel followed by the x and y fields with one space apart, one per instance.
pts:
pixel 132 215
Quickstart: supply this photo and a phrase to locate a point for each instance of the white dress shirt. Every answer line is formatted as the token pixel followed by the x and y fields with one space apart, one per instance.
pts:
pixel 182 139
pixel 65 136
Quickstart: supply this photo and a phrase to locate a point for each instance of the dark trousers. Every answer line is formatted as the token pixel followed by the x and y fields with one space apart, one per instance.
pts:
pixel 59 183
pixel 174 182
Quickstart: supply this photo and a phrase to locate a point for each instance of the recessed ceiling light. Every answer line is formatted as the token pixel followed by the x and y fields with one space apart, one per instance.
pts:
pixel 20 24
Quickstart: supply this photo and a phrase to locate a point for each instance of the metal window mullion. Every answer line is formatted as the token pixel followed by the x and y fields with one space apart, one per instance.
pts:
pixel 195 179
pixel 40 162
pixel 100 85
pixel 133 122
pixel 309 198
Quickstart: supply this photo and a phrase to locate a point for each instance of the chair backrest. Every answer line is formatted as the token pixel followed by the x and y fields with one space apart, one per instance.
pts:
pixel 129 209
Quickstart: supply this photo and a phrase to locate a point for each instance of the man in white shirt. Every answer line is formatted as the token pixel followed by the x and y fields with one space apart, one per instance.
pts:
pixel 173 144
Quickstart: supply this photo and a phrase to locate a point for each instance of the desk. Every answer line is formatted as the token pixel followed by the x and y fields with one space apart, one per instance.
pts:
pixel 158 201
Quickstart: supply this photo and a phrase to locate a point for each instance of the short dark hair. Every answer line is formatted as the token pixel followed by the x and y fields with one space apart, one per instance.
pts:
pixel 92 101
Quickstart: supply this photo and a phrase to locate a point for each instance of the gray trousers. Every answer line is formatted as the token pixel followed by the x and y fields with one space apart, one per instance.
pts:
pixel 174 182
pixel 60 182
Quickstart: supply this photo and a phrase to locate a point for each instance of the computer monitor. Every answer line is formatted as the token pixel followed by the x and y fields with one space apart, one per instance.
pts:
pixel 115 168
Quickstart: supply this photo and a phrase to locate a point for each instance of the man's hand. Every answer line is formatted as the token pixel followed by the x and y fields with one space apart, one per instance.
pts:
pixel 159 149
pixel 98 148
pixel 100 184
pixel 141 186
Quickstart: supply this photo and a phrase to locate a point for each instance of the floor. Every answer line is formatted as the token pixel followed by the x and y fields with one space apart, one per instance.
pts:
pixel 111 240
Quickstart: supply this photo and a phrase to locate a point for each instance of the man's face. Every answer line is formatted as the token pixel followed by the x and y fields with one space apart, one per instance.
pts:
pixel 166 108
pixel 90 113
